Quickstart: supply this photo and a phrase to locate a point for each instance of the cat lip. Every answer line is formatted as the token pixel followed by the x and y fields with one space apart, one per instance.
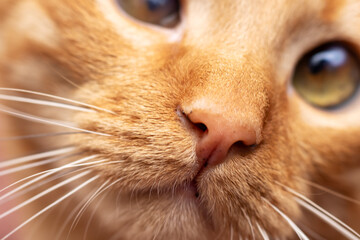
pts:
pixel 202 166
pixel 189 190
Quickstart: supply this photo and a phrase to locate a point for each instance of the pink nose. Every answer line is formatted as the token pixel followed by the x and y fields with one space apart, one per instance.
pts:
pixel 219 134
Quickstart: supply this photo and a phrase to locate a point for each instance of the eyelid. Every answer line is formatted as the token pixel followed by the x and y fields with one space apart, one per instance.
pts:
pixel 166 16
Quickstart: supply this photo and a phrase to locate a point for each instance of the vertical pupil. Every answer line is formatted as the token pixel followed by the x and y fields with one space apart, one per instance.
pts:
pixel 153 5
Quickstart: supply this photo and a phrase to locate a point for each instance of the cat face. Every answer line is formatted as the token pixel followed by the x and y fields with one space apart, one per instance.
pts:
pixel 201 133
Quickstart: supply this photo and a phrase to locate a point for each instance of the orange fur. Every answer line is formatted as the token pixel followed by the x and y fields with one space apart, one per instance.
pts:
pixel 239 55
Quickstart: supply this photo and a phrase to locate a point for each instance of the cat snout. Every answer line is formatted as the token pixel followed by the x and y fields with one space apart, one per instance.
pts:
pixel 217 133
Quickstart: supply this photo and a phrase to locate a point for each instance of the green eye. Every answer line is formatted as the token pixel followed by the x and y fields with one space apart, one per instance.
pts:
pixel 328 76
pixel 160 12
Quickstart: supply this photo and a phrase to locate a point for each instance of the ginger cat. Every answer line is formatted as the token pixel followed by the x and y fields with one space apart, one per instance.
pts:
pixel 191 119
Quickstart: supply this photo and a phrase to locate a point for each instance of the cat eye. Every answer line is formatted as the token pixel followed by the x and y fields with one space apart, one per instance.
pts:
pixel 164 13
pixel 327 76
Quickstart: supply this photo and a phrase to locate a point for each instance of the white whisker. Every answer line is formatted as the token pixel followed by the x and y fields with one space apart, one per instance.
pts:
pixel 71 215
pixel 42 175
pixel 41 135
pixel 36 185
pixel 95 195
pixel 262 232
pixel 250 225
pixel 338 225
pixel 298 231
pixel 63 77
pixel 46 121
pixel 30 117
pixel 37 156
pixel 43 182
pixel 94 211
pixel 93 163
pixel 341 227
pixel 78 216
pixel 311 233
pixel 57 97
pixel 339 195
pixel 50 206
pixel 67 79
pixel 34 198
pixel 35 164
pixel 44 103
pixel 71 165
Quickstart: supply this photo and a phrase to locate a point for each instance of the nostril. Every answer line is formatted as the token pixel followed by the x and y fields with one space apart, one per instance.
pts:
pixel 240 144
pixel 217 133
pixel 244 149
pixel 201 126
pixel 198 127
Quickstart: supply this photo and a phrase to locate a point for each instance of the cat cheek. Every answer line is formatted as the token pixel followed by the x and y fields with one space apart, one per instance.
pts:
pixel 341 118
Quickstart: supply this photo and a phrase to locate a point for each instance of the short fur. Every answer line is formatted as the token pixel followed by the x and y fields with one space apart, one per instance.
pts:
pixel 237 56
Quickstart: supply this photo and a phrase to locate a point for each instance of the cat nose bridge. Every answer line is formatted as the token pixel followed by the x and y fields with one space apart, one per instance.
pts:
pixel 227 102
pixel 220 128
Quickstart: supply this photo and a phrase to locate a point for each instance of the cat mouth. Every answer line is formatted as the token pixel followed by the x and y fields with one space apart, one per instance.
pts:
pixel 193 186
pixel 189 190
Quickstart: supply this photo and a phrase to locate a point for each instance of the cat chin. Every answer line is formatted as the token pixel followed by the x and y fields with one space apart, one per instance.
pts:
pixel 188 191
pixel 186 217
pixel 173 215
